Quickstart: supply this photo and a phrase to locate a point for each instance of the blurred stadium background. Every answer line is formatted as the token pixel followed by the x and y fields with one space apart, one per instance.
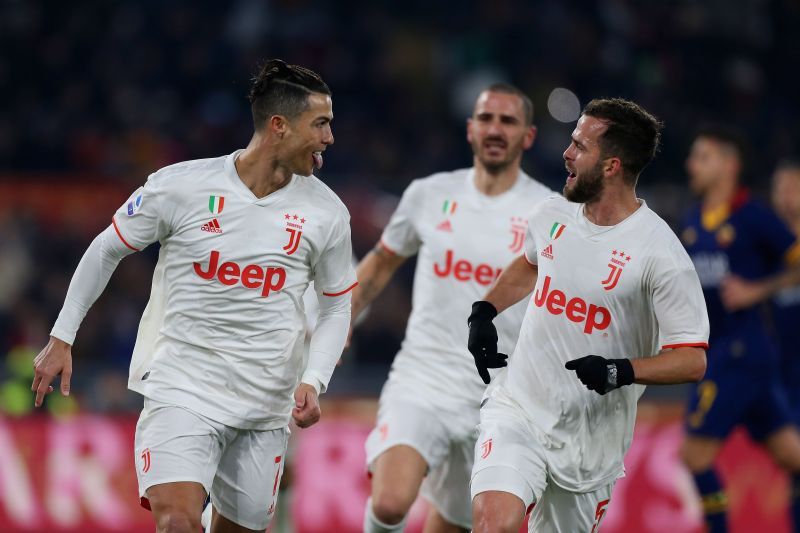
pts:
pixel 97 95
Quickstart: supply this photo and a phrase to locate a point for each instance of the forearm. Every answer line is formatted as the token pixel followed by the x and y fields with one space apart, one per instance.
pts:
pixel 788 278
pixel 515 283
pixel 681 365
pixel 327 341
pixel 90 278
pixel 373 273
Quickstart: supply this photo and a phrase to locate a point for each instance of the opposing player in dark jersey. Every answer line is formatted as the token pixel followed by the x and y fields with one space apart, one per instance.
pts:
pixel 743 255
pixel 786 201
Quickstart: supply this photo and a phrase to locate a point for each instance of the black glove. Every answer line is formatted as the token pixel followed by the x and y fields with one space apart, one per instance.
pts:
pixel 483 339
pixel 600 374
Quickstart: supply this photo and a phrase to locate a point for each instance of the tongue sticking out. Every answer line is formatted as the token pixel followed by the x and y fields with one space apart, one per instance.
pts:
pixel 317 157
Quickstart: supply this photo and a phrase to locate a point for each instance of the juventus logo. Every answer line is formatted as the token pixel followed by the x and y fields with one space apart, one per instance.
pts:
pixel 518 227
pixel 294 226
pixel 146 460
pixel 616 264
pixel 294 241
pixel 486 448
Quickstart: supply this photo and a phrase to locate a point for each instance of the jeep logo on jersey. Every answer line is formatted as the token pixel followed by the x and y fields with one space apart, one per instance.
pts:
pixel 593 317
pixel 251 276
pixel 463 270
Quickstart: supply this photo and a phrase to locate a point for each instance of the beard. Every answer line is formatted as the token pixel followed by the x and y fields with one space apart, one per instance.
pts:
pixel 586 188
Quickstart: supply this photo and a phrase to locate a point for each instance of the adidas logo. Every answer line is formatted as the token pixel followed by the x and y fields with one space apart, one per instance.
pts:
pixel 445 226
pixel 548 252
pixel 211 226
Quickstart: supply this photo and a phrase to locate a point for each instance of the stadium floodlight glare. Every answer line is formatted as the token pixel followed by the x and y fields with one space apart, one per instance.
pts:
pixel 563 105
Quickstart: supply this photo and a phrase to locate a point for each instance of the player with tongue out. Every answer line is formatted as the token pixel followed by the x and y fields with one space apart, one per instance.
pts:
pixel 220 356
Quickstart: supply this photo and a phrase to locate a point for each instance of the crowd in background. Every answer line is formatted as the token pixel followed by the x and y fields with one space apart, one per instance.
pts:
pixel 99 94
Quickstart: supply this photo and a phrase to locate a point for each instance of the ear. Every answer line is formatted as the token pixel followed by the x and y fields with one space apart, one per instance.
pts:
pixel 278 125
pixel 469 130
pixel 613 166
pixel 530 137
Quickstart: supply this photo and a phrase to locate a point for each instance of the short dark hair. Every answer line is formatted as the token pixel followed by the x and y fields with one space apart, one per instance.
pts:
pixel 281 89
pixel 507 88
pixel 730 136
pixel 633 134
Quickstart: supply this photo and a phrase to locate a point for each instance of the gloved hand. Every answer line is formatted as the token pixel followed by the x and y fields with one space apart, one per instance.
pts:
pixel 482 342
pixel 600 374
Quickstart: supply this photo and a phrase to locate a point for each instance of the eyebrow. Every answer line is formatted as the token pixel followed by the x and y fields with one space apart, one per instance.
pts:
pixel 487 114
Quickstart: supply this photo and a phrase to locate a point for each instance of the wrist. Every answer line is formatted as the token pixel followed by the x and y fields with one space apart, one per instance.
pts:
pixel 625 373
pixel 482 310
pixel 312 382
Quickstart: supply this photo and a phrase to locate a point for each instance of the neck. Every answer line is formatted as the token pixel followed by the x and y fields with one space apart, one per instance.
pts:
pixel 721 194
pixel 614 205
pixel 493 184
pixel 259 168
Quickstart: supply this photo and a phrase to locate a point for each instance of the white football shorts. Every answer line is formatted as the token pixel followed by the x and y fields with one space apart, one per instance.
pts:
pixel 509 457
pixel 445 440
pixel 239 468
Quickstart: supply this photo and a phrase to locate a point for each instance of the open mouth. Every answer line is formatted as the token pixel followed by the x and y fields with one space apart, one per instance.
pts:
pixel 317 159
pixel 495 146
pixel 571 177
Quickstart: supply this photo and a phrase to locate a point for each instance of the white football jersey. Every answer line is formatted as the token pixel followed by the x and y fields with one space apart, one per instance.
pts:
pixel 224 329
pixel 464 239
pixel 628 290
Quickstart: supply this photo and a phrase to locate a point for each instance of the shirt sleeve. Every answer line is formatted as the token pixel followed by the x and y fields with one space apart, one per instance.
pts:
pixel 530 249
pixel 678 302
pixel 328 340
pixel 145 217
pixel 400 236
pixel 334 274
pixel 90 278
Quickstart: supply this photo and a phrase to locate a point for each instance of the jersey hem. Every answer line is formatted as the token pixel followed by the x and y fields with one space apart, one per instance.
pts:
pixel 386 247
pixel 348 289
pixel 525 255
pixel 703 345
pixel 214 414
pixel 586 486
pixel 119 234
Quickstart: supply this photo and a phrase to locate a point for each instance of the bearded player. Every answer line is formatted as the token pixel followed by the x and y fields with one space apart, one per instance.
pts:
pixel 617 305
pixel 464 225
pixel 219 357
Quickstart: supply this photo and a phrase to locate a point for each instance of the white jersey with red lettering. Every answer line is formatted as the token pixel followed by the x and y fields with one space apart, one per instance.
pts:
pixel 464 238
pixel 223 332
pixel 628 290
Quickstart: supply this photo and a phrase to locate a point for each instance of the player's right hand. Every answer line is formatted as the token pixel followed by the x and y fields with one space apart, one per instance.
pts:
pixel 482 342
pixel 54 359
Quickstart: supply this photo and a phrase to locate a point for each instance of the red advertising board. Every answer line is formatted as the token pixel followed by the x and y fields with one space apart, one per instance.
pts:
pixel 77 475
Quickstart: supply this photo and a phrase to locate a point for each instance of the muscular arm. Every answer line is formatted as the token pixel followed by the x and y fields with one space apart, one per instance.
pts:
pixel 373 273
pixel 515 283
pixel 681 365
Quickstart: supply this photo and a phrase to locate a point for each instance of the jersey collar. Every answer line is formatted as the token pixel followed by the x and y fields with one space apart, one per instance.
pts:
pixel 711 219
pixel 241 189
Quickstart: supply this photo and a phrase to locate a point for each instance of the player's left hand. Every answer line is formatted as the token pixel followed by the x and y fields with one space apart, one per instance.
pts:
pixel 738 293
pixel 306 411
pixel 600 374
